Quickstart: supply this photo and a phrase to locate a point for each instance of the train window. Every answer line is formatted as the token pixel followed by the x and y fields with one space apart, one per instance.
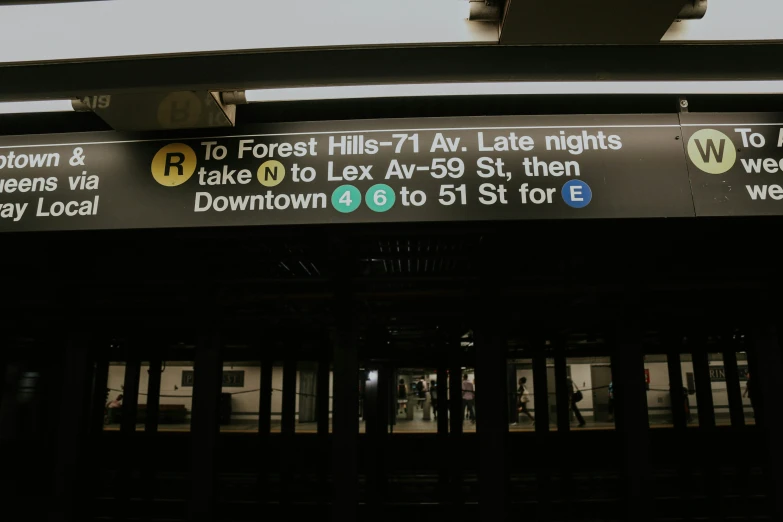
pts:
pixel 308 398
pixel 365 375
pixel 330 393
pixel 414 403
pixel 720 396
pixel 747 393
pixel 240 396
pixel 469 412
pixel 551 389
pixel 143 395
pixel 176 395
pixel 113 396
pixel 276 422
pixel 689 390
pixel 659 400
pixel 522 408
pixel 591 392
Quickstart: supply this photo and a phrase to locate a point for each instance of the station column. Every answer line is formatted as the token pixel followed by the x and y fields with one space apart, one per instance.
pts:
pixel 346 394
pixel 631 413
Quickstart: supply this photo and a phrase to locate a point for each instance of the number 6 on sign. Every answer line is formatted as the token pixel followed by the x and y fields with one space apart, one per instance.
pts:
pixel 346 198
pixel 380 198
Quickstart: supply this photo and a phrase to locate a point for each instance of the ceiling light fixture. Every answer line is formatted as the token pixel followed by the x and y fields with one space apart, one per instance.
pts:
pixel 24 107
pixel 513 88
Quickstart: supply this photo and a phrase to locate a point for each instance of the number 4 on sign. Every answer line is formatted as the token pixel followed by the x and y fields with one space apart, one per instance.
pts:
pixel 444 144
pixel 346 198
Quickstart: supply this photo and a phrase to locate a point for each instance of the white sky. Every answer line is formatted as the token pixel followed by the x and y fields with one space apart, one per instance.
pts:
pixel 144 27
pixel 117 28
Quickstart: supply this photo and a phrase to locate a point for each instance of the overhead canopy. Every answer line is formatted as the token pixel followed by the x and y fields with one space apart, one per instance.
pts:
pixel 588 22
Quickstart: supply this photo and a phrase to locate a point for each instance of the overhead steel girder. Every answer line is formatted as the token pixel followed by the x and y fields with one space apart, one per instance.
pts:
pixel 593 22
pixel 251 70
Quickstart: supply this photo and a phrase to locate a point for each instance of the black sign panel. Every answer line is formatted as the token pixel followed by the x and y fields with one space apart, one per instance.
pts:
pixel 444 169
pixel 231 378
pixel 735 163
pixel 718 373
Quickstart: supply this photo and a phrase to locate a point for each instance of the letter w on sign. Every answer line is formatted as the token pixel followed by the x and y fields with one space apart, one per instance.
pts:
pixel 711 149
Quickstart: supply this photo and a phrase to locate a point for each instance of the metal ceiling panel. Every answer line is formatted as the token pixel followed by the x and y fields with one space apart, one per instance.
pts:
pixel 587 22
pixel 393 65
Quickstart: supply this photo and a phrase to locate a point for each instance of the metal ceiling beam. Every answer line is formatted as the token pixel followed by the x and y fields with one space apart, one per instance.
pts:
pixel 593 22
pixel 239 71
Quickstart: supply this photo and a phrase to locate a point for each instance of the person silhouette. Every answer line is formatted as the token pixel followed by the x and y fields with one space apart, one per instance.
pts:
pixel 573 398
pixel 469 398
pixel 523 398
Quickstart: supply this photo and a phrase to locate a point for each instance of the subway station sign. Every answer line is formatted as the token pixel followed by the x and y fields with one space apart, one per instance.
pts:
pixel 735 163
pixel 438 169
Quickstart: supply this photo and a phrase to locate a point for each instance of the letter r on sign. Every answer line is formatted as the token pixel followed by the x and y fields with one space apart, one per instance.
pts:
pixel 173 164
pixel 175 160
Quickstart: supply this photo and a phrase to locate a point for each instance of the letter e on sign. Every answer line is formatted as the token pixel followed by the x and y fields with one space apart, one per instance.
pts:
pixel 173 165
pixel 577 194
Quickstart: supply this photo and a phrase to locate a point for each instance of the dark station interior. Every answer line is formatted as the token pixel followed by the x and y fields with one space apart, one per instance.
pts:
pixel 324 321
